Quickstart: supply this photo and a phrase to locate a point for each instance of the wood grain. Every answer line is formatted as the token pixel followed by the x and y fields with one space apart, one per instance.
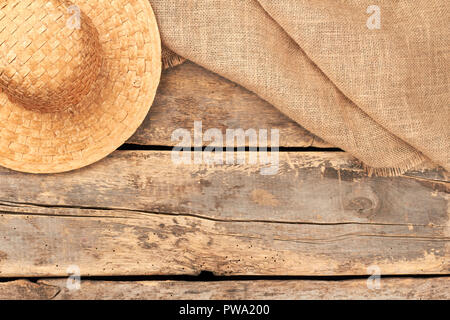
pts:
pixel 26 290
pixel 189 93
pixel 137 213
pixel 390 288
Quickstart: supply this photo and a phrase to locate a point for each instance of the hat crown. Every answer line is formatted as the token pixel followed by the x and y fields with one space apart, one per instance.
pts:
pixel 50 53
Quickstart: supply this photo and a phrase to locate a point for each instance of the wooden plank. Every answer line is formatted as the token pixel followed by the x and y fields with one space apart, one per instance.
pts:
pixel 137 213
pixel 310 187
pixel 390 288
pixel 26 290
pixel 189 93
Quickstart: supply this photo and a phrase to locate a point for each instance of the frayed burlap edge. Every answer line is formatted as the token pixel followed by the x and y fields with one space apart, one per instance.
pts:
pixel 170 59
pixel 416 162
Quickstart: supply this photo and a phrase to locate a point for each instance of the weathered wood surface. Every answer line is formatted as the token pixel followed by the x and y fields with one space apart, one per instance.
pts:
pixel 390 288
pixel 190 93
pixel 26 290
pixel 137 213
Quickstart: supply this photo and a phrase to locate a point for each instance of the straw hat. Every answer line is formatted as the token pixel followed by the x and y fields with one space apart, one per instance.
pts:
pixel 76 79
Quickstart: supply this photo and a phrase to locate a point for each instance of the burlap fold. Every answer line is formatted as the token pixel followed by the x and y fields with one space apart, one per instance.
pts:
pixel 382 94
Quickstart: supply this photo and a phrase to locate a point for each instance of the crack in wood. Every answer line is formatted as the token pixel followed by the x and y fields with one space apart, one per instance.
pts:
pixel 147 213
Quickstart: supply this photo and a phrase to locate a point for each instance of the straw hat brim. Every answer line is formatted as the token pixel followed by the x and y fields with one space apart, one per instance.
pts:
pixel 36 142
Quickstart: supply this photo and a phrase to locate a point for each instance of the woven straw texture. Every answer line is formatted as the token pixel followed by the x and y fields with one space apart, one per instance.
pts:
pixel 380 94
pixel 71 94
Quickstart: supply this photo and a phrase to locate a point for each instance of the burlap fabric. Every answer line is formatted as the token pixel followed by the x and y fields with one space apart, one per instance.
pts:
pixel 380 94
